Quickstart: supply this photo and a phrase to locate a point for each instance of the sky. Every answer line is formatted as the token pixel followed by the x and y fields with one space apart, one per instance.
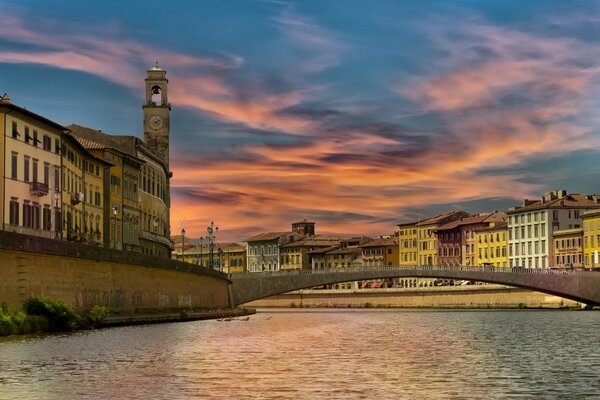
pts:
pixel 357 115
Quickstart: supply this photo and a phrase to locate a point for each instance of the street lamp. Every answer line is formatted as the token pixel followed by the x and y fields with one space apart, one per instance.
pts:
pixel 211 230
pixel 155 223
pixel 201 254
pixel 182 242
pixel 115 211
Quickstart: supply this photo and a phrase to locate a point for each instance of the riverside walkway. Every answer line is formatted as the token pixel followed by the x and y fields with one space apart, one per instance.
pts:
pixel 579 285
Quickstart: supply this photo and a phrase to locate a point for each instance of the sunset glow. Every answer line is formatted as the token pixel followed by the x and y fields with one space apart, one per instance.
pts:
pixel 356 120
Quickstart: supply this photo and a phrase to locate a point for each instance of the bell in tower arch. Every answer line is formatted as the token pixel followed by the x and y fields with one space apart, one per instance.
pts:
pixel 156 95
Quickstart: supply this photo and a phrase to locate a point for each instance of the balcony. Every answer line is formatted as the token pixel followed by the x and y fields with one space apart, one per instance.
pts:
pixel 38 189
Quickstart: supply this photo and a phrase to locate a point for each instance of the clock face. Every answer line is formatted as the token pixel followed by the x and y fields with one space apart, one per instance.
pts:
pixel 156 122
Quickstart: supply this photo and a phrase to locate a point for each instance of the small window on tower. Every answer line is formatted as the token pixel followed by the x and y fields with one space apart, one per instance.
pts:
pixel 156 96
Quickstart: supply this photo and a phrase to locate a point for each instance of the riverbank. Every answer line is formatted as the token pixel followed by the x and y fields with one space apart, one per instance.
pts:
pixel 183 316
pixel 442 297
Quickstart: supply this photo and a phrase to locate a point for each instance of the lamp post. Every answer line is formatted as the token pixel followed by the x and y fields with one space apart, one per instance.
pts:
pixel 201 255
pixel 211 230
pixel 115 211
pixel 155 223
pixel 182 242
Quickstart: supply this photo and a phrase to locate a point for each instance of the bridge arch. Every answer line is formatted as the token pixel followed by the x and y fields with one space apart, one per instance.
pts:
pixel 580 286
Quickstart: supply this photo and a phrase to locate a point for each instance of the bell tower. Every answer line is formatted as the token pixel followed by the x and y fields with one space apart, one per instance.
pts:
pixel 156 112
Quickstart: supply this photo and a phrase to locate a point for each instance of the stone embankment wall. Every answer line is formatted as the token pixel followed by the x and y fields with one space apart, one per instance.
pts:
pixel 475 296
pixel 86 275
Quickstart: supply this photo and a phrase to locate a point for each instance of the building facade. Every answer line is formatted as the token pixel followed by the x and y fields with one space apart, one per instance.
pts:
pixel 31 172
pixel 591 239
pixel 456 239
pixel 380 252
pixel 427 240
pixel 491 245
pixel 568 248
pixel 531 227
pixel 298 255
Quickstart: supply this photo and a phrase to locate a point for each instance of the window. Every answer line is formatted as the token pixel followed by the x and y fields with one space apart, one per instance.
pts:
pixel 47 143
pixel 14 211
pixel 27 223
pixel 46 174
pixel 26 169
pixel 35 170
pixel 15 131
pixel 35 138
pixel 543 229
pixel 47 219
pixel 27 137
pixel 57 146
pixel 13 173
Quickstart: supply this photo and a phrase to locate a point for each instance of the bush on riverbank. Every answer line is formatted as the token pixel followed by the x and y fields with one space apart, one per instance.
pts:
pixel 61 317
pixel 45 314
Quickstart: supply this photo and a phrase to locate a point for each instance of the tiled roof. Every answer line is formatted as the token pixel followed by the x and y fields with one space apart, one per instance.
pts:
pixel 440 218
pixel 574 200
pixel 88 143
pixel 499 226
pixel 476 219
pixel 381 242
pixel 433 220
pixel 267 236
pixel 314 241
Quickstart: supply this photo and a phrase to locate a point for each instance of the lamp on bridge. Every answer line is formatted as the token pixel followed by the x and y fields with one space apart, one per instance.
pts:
pixel 182 242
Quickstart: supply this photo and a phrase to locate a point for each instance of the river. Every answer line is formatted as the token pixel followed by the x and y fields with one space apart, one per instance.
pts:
pixel 317 354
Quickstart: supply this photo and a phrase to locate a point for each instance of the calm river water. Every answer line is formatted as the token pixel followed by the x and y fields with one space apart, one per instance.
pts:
pixel 318 354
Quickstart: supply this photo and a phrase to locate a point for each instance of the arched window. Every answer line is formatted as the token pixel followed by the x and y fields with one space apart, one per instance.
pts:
pixel 156 95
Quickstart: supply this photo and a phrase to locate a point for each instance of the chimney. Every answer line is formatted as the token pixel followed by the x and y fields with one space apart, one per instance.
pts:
pixel 561 193
pixel 5 99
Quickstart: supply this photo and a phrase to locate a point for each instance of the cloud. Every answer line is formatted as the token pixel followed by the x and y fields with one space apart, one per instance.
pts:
pixel 279 146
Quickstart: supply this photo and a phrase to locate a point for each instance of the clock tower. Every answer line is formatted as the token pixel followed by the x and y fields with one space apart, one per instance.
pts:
pixel 156 112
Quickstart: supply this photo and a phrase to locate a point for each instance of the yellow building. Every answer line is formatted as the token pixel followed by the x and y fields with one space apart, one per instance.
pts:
pixel 491 245
pixel 568 248
pixel 83 193
pixel 226 257
pixel 297 255
pixel 407 243
pixel 417 241
pixel 380 252
pixel 30 146
pixel 591 239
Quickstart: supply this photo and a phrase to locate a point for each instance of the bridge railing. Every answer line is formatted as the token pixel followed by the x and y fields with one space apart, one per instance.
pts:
pixel 383 268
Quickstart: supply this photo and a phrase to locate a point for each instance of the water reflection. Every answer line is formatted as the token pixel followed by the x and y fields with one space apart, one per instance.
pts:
pixel 308 354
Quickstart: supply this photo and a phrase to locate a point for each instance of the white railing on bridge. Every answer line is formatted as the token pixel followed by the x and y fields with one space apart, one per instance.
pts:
pixel 519 270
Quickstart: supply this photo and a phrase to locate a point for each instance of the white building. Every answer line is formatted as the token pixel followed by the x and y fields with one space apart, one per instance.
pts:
pixel 31 171
pixel 531 226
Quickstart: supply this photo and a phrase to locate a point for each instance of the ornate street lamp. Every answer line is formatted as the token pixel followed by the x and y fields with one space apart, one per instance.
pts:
pixel 182 242
pixel 201 253
pixel 211 230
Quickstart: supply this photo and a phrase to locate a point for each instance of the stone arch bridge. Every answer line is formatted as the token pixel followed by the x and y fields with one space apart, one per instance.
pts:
pixel 579 285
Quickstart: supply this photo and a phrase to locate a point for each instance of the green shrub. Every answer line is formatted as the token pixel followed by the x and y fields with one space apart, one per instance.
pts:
pixel 96 316
pixel 61 317
pixel 7 326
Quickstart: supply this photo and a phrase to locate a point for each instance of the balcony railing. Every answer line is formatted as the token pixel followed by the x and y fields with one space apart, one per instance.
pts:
pixel 38 189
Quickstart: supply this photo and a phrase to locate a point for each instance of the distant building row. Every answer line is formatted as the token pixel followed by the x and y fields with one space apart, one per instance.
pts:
pixel 79 184
pixel 559 230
